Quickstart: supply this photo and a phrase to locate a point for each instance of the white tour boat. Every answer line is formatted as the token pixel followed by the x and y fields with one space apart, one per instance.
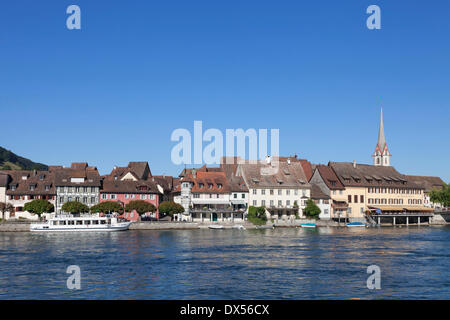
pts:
pixel 81 224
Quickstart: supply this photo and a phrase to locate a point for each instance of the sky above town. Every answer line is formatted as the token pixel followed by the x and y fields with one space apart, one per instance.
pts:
pixel 114 91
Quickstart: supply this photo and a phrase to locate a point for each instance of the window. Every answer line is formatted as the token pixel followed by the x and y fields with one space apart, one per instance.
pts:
pixel 92 199
pixel 296 192
pixel 127 196
pixel 210 185
pixel 349 199
pixel 325 211
pixel 254 191
pixel 105 196
pixel 143 197
pixel 263 203
pixel 243 196
pixel 288 202
pixel 361 199
pixel 196 195
pixel 235 195
pixel 280 192
pixel 271 192
pixel 280 203
pixel 334 192
pixel 85 199
pixel 113 197
pixel 201 185
pixel 263 191
pixel 288 192
pixel 356 198
pixel 219 186
pixel 271 203
pixel 254 203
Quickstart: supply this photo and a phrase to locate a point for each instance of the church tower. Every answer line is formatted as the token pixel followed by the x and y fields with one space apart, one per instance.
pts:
pixel 381 156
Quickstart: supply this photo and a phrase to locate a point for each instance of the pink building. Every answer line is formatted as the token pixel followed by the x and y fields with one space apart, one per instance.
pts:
pixel 135 182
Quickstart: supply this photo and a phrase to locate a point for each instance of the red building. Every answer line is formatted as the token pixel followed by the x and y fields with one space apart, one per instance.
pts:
pixel 135 182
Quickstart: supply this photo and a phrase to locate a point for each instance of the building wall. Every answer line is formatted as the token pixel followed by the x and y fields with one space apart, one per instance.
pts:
pixel 260 199
pixel 66 194
pixel 3 194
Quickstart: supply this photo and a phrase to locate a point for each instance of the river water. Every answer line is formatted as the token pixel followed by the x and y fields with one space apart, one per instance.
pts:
pixel 327 263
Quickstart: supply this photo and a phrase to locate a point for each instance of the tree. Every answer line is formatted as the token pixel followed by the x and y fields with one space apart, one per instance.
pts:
pixel 6 207
pixel 170 208
pixel 441 196
pixel 39 206
pixel 140 206
pixel 75 207
pixel 312 210
pixel 257 215
pixel 107 207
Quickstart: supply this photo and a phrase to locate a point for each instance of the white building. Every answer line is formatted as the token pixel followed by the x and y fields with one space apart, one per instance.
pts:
pixel 280 186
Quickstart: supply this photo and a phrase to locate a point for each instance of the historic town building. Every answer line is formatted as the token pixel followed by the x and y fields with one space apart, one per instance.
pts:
pixel 322 200
pixel 325 178
pixel 280 185
pixel 206 195
pixel 134 182
pixel 429 184
pixel 25 186
pixel 79 183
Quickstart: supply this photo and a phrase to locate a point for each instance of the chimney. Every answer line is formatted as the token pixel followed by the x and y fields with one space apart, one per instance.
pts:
pixel 194 173
pixel 289 161
pixel 354 164
pixel 268 159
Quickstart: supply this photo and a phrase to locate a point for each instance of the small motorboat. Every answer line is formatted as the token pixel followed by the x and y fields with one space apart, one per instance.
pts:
pixel 239 227
pixel 216 226
pixel 356 225
pixel 308 225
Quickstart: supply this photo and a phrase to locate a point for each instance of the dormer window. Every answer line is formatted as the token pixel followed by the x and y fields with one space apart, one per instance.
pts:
pixel 32 188
pixel 201 185
pixel 13 188
pixel 219 186
pixel 24 177
pixel 210 185
pixel 47 188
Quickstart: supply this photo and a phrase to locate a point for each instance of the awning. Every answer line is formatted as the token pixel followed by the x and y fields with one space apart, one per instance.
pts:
pixel 419 209
pixel 387 208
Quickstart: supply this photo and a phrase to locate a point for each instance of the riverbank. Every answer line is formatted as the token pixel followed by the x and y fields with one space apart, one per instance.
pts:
pixel 25 226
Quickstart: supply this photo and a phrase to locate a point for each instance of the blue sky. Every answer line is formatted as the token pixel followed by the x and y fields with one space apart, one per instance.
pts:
pixel 114 91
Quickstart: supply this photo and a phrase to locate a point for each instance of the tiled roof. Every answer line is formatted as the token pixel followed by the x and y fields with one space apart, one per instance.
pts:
pixel 364 175
pixel 263 175
pixel 206 182
pixel 317 193
pixel 35 183
pixel 329 177
pixel 427 182
pixel 89 174
pixel 4 180
pixel 140 170
pixel 129 186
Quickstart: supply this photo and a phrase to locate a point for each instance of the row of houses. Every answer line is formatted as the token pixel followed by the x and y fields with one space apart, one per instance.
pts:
pixel 342 190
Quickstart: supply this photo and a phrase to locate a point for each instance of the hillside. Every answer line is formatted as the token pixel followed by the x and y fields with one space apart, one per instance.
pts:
pixel 11 161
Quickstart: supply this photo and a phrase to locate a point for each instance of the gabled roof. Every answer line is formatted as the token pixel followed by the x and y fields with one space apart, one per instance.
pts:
pixel 427 182
pixel 129 186
pixel 206 182
pixel 317 193
pixel 63 176
pixel 264 175
pixel 329 177
pixel 358 175
pixel 39 180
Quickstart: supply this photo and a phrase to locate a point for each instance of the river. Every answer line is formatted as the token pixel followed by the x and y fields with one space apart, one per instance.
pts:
pixel 322 263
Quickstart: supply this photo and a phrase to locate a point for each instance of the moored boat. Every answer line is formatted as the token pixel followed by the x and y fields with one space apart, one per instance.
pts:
pixel 81 224
pixel 239 226
pixel 216 226
pixel 308 225
pixel 356 224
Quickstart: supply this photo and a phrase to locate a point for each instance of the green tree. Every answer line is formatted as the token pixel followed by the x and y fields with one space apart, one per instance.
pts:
pixel 39 206
pixel 170 208
pixel 5 207
pixel 441 196
pixel 75 207
pixel 140 206
pixel 257 215
pixel 107 207
pixel 312 210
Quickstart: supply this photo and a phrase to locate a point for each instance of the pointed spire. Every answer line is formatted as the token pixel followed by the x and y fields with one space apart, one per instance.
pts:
pixel 381 138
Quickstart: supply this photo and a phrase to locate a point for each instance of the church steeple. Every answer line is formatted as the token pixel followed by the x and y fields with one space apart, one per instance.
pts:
pixel 381 156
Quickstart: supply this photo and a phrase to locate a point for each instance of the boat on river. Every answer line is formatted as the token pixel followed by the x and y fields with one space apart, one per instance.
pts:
pixel 216 226
pixel 356 225
pixel 81 223
pixel 308 225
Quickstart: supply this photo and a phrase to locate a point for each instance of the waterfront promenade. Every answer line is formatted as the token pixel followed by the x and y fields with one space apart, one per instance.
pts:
pixel 24 226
